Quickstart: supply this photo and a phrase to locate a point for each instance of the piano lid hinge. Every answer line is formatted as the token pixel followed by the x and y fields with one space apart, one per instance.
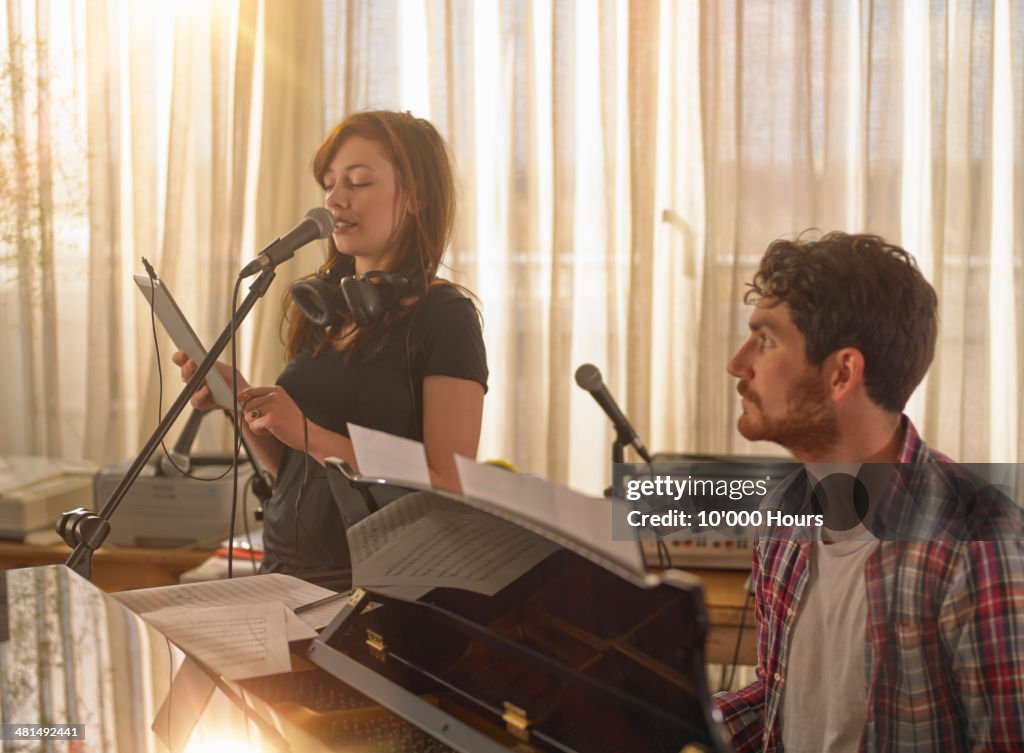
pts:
pixel 516 722
pixel 375 642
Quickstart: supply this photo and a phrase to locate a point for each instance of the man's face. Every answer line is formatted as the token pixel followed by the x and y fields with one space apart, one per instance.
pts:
pixel 785 399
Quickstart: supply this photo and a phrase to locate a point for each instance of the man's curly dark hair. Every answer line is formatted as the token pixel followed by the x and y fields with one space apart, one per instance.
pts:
pixel 856 291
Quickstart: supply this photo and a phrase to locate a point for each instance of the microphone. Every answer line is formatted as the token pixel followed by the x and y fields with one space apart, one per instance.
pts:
pixel 589 378
pixel 318 223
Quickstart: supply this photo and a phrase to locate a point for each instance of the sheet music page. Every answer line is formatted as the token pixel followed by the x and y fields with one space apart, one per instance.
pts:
pixel 574 516
pixel 589 520
pixel 235 641
pixel 464 549
pixel 253 589
pixel 506 489
pixel 383 455
pixel 376 531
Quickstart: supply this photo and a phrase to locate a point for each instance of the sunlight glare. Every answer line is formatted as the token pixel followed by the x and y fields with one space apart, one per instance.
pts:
pixel 221 745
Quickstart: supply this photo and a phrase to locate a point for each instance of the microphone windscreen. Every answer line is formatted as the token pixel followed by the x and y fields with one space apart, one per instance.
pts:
pixel 323 219
pixel 588 377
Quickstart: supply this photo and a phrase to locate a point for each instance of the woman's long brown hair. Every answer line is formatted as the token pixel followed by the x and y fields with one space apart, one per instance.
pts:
pixel 426 185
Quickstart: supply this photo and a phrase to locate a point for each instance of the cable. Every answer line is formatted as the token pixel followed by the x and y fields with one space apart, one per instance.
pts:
pixel 664 556
pixel 236 427
pixel 245 519
pixel 417 415
pixel 302 490
pixel 160 376
pixel 302 486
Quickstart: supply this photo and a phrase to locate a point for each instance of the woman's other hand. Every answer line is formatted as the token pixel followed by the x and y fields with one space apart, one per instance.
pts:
pixel 271 411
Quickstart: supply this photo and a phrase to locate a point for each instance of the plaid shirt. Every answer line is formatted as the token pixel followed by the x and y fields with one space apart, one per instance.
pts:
pixel 944 646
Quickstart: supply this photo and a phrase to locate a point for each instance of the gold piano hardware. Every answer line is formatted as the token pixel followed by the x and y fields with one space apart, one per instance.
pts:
pixel 693 748
pixel 375 642
pixel 516 722
pixel 356 597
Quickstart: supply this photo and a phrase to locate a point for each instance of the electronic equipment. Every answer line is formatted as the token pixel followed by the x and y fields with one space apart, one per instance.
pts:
pixel 182 334
pixel 323 298
pixel 174 510
pixel 317 224
pixel 34 490
pixel 589 378
pixel 719 538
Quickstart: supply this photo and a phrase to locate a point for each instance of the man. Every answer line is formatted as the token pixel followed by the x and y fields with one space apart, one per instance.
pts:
pixel 904 632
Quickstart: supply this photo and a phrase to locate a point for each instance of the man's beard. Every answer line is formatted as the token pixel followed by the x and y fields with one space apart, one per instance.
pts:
pixel 809 427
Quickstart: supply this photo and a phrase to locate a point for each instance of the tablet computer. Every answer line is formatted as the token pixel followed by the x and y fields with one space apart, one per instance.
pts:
pixel 182 334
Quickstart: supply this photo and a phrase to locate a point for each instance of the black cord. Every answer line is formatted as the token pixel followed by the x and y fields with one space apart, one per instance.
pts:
pixel 236 428
pixel 302 486
pixel 245 519
pixel 417 415
pixel 160 375
pixel 664 557
pixel 302 490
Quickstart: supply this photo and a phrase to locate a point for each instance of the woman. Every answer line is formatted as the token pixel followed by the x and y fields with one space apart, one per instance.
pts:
pixel 419 371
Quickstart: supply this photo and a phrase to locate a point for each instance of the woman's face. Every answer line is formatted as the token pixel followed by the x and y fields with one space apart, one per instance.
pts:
pixel 361 195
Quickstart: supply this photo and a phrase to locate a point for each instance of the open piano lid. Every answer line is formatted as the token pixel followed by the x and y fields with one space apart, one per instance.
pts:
pixel 565 656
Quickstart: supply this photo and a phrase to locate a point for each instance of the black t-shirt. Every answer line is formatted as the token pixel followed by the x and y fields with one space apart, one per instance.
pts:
pixel 382 391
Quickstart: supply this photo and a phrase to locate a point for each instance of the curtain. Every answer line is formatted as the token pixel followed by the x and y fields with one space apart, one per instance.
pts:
pixel 551 113
pixel 622 164
pixel 901 119
pixel 175 131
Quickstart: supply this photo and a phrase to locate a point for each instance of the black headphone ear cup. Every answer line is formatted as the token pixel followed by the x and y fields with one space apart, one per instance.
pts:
pixel 402 286
pixel 319 300
pixel 361 298
pixel 368 297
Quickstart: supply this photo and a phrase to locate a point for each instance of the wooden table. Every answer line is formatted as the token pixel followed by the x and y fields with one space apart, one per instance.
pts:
pixel 113 568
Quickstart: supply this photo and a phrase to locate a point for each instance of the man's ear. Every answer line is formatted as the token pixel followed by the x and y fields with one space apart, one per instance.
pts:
pixel 847 374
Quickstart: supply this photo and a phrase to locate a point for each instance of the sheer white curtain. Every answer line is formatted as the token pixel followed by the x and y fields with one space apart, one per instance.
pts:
pixel 178 131
pixel 623 164
pixel 550 109
pixel 902 119
pixel 626 163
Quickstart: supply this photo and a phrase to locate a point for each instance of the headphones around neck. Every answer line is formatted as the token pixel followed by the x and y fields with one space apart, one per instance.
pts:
pixel 324 298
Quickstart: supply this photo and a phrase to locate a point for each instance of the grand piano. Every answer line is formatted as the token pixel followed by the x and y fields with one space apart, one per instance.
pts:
pixel 561 649
pixel 575 651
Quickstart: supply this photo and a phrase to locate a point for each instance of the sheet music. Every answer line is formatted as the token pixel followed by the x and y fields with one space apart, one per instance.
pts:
pixel 463 549
pixel 253 589
pixel 508 490
pixel 571 515
pixel 237 642
pixel 376 531
pixel 589 520
pixel 383 455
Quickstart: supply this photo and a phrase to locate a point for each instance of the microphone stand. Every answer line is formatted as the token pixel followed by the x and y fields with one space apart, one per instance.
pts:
pixel 84 530
pixel 618 450
pixel 618 457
